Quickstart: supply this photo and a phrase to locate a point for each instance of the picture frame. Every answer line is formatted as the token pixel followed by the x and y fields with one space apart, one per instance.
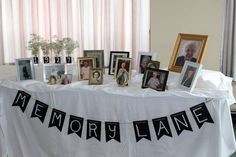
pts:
pixel 96 76
pixel 84 64
pixel 155 79
pixel 50 70
pixel 98 55
pixel 189 75
pixel 25 69
pixel 154 64
pixel 66 79
pixel 123 71
pixel 187 47
pixel 112 62
pixel 143 59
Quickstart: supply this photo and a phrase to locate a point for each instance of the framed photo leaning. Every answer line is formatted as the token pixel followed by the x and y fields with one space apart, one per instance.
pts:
pixel 98 55
pixel 50 70
pixel 188 47
pixel 143 59
pixel 189 75
pixel 112 62
pixel 25 69
pixel 84 65
pixel 96 76
pixel 155 79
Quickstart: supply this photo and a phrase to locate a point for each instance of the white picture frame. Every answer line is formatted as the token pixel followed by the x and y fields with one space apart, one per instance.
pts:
pixel 25 69
pixel 142 61
pixel 56 70
pixel 189 75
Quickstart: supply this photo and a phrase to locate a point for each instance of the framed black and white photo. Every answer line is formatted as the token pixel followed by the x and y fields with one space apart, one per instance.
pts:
pixel 25 69
pixel 96 76
pixel 98 55
pixel 155 79
pixel 189 75
pixel 56 70
pixel 143 59
pixel 113 57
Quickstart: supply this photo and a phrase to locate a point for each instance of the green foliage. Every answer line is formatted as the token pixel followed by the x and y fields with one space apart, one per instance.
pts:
pixel 69 45
pixel 57 46
pixel 34 44
pixel 45 47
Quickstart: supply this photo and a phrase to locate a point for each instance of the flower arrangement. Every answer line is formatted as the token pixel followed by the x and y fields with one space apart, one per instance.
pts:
pixel 57 46
pixel 45 47
pixel 34 44
pixel 69 45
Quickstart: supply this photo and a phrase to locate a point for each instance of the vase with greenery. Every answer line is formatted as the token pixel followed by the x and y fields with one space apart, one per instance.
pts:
pixel 57 47
pixel 34 46
pixel 45 47
pixel 69 45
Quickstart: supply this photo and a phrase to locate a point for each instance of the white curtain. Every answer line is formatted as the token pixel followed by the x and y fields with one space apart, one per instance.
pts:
pixel 96 24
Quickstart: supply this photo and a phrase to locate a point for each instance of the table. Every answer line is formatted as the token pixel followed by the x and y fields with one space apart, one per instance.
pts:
pixel 79 120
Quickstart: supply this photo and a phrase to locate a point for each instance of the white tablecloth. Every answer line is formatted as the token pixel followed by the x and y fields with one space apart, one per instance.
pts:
pixel 24 136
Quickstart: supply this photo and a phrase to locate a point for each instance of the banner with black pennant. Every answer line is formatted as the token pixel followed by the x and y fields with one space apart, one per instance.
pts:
pixel 75 125
pixel 201 114
pixel 22 99
pixel 181 122
pixel 94 129
pixel 112 130
pixel 141 130
pixel 162 127
pixel 57 119
pixel 40 110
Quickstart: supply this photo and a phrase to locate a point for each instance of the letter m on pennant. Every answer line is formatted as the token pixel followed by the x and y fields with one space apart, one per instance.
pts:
pixel 22 99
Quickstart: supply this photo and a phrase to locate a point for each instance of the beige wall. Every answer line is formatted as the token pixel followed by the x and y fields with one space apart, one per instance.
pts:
pixel 170 17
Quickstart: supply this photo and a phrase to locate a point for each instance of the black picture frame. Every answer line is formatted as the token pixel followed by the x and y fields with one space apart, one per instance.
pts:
pixel 113 57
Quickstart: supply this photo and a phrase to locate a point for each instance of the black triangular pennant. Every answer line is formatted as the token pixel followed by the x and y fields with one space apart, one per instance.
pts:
pixel 57 119
pixel 40 110
pixel 141 130
pixel 112 130
pixel 201 114
pixel 75 125
pixel 181 122
pixel 162 127
pixel 22 99
pixel 94 129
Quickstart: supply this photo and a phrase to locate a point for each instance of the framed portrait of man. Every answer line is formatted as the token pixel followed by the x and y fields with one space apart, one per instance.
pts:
pixel 98 55
pixel 188 47
pixel 189 75
pixel 84 66
pixel 25 69
pixel 143 60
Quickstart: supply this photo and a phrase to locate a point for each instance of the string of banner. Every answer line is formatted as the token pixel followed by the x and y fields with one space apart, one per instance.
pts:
pixel 112 129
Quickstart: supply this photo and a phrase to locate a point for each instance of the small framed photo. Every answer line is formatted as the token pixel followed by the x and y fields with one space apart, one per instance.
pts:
pixel 56 70
pixel 96 76
pixel 98 55
pixel 84 65
pixel 112 62
pixel 52 80
pixel 66 79
pixel 123 71
pixel 155 79
pixel 189 75
pixel 188 47
pixel 25 69
pixel 154 64
pixel 143 59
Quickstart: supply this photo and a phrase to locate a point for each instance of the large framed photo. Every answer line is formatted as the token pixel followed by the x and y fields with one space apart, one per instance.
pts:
pixel 123 71
pixel 98 55
pixel 84 65
pixel 113 56
pixel 25 69
pixel 189 75
pixel 155 79
pixel 143 60
pixel 96 76
pixel 53 73
pixel 188 47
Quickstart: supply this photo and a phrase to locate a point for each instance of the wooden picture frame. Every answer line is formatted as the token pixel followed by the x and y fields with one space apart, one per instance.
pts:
pixel 155 79
pixel 187 47
pixel 96 76
pixel 25 69
pixel 112 62
pixel 143 59
pixel 98 55
pixel 189 75
pixel 84 64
